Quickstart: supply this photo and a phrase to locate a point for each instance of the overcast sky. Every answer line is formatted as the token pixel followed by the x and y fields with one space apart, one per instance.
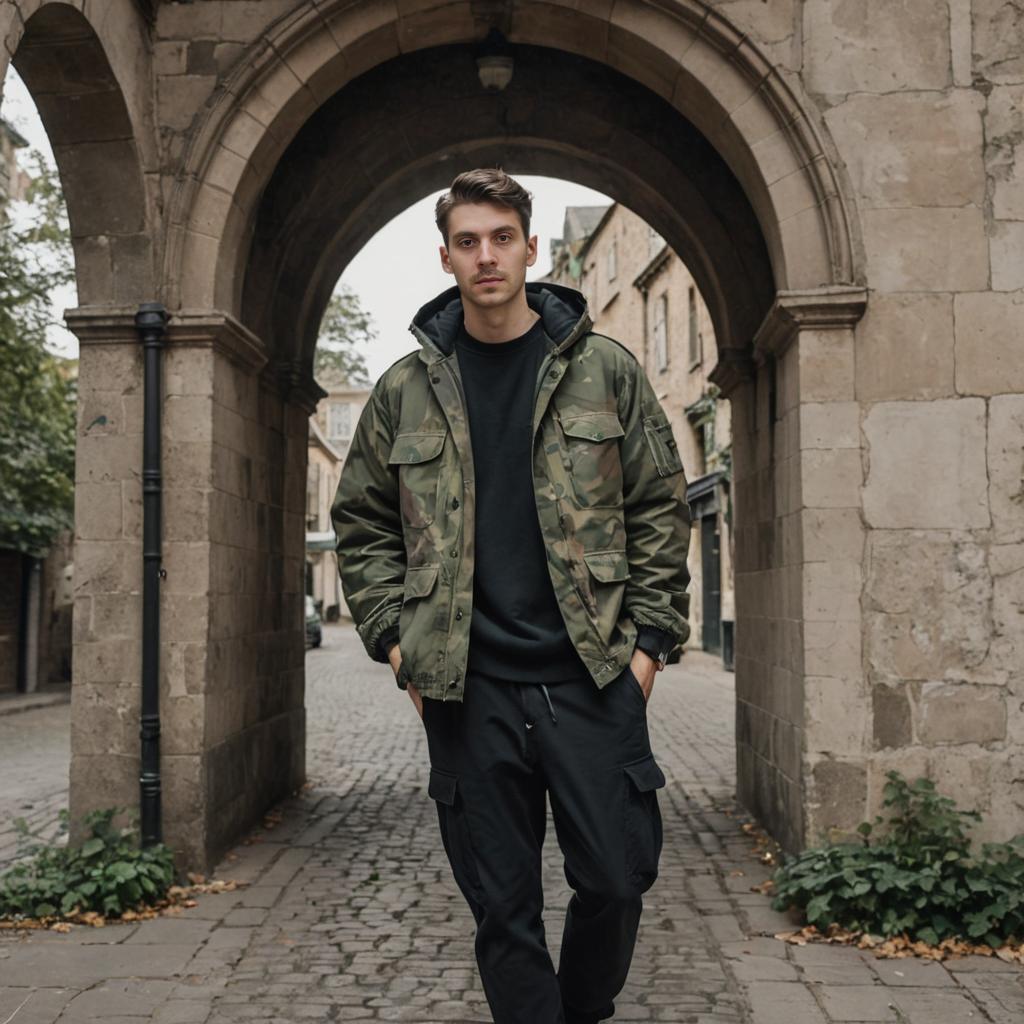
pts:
pixel 394 274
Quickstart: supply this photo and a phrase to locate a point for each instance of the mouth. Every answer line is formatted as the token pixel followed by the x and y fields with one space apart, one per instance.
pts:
pixel 489 280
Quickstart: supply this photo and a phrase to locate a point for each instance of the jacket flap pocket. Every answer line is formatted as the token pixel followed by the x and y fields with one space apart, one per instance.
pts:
pixel 420 579
pixel 608 566
pixel 645 773
pixel 409 449
pixel 592 426
pixel 442 786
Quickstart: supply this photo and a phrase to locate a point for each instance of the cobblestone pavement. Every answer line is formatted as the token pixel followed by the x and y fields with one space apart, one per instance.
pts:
pixel 35 755
pixel 351 913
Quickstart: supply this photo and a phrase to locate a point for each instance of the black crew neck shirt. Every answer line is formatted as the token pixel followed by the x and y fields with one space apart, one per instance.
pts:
pixel 517 631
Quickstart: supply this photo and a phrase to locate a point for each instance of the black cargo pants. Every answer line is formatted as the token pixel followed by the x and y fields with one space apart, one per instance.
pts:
pixel 493 757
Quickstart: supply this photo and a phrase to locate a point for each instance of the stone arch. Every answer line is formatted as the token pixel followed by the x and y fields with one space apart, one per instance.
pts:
pixel 66 60
pixel 687 53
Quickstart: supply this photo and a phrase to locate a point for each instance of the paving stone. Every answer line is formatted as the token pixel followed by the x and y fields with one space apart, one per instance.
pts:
pixel 858 1003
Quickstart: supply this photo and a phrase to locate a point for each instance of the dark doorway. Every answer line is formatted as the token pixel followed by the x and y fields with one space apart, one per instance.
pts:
pixel 711 587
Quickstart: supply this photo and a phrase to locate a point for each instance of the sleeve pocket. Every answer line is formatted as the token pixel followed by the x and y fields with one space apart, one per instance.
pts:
pixel 662 445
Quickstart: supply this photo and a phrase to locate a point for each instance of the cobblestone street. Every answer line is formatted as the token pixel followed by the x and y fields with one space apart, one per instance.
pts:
pixel 351 913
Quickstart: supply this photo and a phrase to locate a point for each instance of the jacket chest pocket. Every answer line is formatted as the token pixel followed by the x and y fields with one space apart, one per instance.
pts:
pixel 419 475
pixel 592 447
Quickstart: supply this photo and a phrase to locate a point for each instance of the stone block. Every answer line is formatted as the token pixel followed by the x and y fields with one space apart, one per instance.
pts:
pixel 98 510
pixel 830 478
pixel 892 721
pixel 962 775
pixel 926 249
pixel 1006 253
pixel 905 347
pixel 927 601
pixel 838 793
pixel 926 464
pixel 180 21
pixel 829 424
pixel 1006 467
pixel 831 591
pixel 105 718
pixel 988 342
pixel 181 98
pixel 1004 150
pixel 831 534
pixel 835 716
pixel 875 46
pixel 912 148
pixel 998 40
pixel 826 365
pixel 1006 563
pixel 955 713
pixel 187 513
pixel 182 723
pixel 832 648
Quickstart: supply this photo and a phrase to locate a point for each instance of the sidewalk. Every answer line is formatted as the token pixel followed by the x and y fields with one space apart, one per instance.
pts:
pixel 351 913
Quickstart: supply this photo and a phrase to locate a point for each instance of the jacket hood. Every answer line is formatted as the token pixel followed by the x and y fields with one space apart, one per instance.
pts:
pixel 563 311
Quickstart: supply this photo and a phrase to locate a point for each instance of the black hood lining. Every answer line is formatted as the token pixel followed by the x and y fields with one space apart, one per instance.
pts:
pixel 559 306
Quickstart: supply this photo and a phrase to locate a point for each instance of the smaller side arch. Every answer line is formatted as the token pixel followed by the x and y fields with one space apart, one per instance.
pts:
pixel 62 61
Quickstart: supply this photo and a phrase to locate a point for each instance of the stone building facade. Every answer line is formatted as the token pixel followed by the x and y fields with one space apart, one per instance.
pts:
pixel 640 293
pixel 845 181
pixel 330 434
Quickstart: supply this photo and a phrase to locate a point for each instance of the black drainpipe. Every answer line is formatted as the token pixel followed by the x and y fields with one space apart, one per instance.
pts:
pixel 151 323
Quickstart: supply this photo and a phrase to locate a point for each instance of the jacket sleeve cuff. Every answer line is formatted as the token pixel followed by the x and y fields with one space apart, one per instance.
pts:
pixel 655 642
pixel 385 640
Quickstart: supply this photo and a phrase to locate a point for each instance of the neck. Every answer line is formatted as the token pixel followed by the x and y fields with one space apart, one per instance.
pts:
pixel 500 323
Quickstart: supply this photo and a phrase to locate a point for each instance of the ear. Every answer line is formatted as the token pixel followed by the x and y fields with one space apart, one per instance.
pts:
pixel 446 263
pixel 531 250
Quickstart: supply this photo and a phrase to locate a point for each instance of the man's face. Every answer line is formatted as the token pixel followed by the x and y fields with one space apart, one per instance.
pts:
pixel 487 252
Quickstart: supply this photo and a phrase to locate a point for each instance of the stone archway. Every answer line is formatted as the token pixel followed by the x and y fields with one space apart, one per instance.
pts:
pixel 250 260
pixel 206 210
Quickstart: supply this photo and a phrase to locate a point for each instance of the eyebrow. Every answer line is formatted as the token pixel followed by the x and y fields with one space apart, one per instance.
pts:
pixel 473 234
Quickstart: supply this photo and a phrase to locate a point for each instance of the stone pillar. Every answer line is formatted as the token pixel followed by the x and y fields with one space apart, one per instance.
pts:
pixel 802 710
pixel 231 606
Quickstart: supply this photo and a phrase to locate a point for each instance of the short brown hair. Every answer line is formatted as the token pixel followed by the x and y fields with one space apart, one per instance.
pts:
pixel 484 185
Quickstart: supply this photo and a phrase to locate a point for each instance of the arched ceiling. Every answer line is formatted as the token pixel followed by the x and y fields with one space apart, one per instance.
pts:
pixel 406 127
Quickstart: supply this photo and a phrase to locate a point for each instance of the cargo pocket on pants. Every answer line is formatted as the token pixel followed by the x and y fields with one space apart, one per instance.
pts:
pixel 643 821
pixel 443 788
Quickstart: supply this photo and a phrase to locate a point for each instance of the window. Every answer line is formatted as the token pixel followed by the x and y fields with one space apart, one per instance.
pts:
pixel 612 261
pixel 339 425
pixel 694 335
pixel 661 332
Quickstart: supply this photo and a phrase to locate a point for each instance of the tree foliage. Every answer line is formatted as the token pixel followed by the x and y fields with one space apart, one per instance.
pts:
pixel 37 388
pixel 345 332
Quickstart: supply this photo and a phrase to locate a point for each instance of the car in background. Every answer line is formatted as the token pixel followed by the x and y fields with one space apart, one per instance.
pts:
pixel 314 626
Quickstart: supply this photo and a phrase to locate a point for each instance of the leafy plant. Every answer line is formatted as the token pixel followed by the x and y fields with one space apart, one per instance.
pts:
pixel 37 388
pixel 107 874
pixel 918 878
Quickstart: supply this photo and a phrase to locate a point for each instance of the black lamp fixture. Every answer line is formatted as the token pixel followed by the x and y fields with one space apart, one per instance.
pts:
pixel 494 61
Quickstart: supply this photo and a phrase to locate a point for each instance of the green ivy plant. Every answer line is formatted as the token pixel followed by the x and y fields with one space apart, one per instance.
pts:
pixel 108 873
pixel 918 878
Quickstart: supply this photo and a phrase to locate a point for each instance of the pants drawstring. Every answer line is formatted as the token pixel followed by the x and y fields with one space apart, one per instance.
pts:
pixel 548 699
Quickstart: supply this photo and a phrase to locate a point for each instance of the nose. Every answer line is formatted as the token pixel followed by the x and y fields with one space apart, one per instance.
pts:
pixel 485 256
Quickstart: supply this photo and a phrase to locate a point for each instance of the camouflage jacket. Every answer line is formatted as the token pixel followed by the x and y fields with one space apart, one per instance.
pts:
pixel 609 485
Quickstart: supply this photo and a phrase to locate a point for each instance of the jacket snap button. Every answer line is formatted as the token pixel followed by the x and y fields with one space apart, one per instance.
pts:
pixel 452 683
pixel 436 380
pixel 529 725
pixel 453 553
pixel 455 502
pixel 599 436
pixel 553 373
pixel 458 614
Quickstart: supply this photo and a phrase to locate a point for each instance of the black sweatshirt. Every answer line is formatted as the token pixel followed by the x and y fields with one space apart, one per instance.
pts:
pixel 517 631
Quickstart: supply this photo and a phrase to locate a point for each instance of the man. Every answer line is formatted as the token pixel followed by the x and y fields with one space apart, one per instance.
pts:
pixel 512 536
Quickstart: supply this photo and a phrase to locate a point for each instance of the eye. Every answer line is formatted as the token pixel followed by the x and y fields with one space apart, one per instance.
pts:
pixel 504 235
